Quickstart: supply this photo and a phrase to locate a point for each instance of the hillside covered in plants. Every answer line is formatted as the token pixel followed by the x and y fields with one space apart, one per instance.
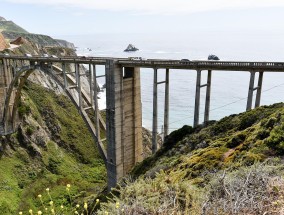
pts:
pixel 51 148
pixel 232 166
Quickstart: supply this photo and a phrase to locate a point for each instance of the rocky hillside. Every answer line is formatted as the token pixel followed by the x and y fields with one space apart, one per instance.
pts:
pixel 10 26
pixel 233 166
pixel 66 44
pixel 11 31
pixel 41 40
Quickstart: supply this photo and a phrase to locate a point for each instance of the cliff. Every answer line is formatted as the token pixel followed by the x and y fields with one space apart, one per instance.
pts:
pixel 41 40
pixel 66 44
pixel 12 31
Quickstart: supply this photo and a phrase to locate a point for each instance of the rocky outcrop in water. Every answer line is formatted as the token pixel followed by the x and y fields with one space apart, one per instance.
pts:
pixel 131 48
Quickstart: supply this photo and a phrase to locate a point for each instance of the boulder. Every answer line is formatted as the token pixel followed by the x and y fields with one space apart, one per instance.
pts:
pixel 19 41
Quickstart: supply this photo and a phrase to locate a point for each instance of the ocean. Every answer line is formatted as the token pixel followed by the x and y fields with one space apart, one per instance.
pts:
pixel 229 89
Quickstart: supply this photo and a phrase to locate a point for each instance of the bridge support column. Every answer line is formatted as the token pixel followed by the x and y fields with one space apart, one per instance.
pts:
pixel 252 88
pixel 155 111
pixel 208 94
pixel 197 99
pixel 259 88
pixel 250 91
pixel 124 120
pixel 94 101
pixel 167 99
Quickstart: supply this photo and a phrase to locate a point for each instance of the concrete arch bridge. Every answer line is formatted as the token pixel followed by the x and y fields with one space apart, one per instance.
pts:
pixel 123 126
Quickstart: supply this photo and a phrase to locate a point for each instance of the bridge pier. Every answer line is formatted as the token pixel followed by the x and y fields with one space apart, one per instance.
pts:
pixel 167 100
pixel 124 120
pixel 155 108
pixel 197 98
pixel 252 89
pixel 155 111
pixel 259 88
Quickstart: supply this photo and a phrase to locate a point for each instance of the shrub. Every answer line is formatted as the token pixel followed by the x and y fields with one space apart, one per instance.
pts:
pixel 236 140
pixel 248 190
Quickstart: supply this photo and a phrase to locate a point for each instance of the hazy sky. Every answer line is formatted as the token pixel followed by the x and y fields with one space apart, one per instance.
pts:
pixel 73 17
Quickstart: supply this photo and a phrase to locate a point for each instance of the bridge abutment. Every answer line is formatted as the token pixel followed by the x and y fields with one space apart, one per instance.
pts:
pixel 124 120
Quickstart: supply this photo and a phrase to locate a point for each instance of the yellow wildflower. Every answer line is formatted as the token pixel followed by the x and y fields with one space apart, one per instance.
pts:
pixel 39 213
pixel 85 205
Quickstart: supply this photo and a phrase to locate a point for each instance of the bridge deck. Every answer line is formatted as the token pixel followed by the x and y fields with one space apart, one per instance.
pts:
pixel 164 63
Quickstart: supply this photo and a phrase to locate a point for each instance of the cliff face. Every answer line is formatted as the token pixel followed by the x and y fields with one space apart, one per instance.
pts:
pixel 41 40
pixel 3 43
pixel 66 44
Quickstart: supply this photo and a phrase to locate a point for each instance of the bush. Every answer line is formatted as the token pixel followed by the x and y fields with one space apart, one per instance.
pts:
pixel 23 110
pixel 236 140
pixel 249 190
pixel 276 140
pixel 177 135
pixel 30 130
pixel 248 119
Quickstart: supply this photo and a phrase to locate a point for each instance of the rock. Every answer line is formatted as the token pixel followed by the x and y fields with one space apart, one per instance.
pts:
pixel 202 145
pixel 213 57
pixel 131 48
pixel 19 41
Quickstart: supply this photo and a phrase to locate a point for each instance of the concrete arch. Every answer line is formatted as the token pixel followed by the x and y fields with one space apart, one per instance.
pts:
pixel 17 83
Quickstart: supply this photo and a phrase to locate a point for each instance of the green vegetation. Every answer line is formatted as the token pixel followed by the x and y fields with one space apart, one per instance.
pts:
pixel 216 169
pixel 51 148
pixel 11 26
